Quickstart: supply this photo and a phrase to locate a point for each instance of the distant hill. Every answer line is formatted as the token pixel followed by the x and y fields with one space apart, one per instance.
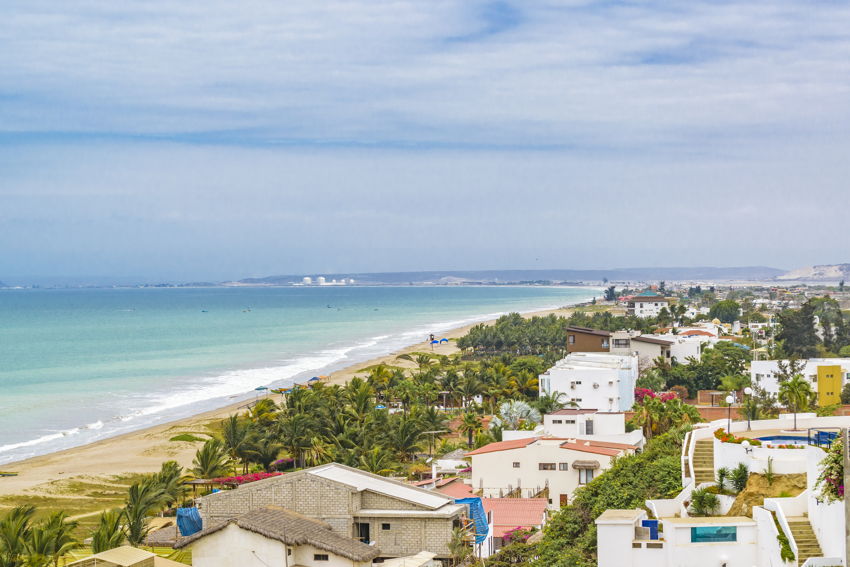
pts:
pixel 752 273
pixel 826 272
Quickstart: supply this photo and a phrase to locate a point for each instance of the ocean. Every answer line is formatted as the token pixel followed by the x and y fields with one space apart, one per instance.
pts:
pixel 81 365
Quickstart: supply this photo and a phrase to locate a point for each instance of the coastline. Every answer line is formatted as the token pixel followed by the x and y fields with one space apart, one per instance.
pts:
pixel 144 450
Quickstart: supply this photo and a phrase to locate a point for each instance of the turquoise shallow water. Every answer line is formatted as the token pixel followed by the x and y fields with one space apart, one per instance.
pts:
pixel 80 365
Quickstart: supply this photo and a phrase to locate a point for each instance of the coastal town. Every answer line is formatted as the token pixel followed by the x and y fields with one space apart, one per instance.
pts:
pixel 658 424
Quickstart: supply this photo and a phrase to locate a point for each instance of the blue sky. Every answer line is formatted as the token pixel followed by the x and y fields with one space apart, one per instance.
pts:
pixel 216 140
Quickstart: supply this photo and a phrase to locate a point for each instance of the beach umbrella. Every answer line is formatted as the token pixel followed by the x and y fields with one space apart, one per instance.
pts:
pixel 314 379
pixel 435 342
pixel 261 388
pixel 380 406
pixel 444 340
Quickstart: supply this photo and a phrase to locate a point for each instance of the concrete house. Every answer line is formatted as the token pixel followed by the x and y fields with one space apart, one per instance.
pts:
pixel 399 519
pixel 647 348
pixel 541 467
pixel 274 537
pixel 594 380
pixel 583 339
pixel 647 305
pixel 592 424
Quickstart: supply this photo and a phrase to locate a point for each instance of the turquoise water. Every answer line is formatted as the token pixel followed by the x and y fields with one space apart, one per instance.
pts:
pixel 80 365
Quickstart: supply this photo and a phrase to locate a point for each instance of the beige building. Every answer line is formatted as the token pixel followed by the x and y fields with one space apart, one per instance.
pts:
pixel 274 537
pixel 541 467
pixel 399 519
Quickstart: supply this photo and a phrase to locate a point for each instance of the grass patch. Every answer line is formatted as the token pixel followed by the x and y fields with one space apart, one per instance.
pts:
pixel 188 438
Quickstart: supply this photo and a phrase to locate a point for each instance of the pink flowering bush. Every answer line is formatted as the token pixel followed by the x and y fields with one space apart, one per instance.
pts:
pixel 642 393
pixel 245 478
pixel 517 534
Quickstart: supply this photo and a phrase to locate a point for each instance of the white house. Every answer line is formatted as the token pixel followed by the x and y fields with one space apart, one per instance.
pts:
pixel 648 348
pixel 594 380
pixel 647 305
pixel 274 537
pixel 669 537
pixel 527 467
pixel 686 346
pixel 591 424
pixel 826 375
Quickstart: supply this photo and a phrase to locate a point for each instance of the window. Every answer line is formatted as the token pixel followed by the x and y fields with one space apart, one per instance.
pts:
pixel 558 421
pixel 577 382
pixel 320 557
pixel 546 466
pixel 385 527
pixel 604 343
pixel 585 476
pixel 516 464
pixel 714 534
pixel 571 422
pixel 621 343
pixel 588 427
pixel 572 339
pixel 563 466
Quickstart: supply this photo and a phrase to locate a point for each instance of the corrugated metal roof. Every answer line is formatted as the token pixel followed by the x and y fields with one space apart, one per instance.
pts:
pixel 365 481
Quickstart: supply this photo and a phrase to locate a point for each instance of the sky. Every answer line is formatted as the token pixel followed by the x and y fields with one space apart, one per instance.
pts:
pixel 220 140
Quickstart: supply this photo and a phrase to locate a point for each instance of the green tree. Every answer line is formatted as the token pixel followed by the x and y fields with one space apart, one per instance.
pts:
pixel 470 424
pixel 796 393
pixel 611 293
pixel 109 533
pixel 60 531
pixel 211 460
pixel 15 530
pixel 703 503
pixel 845 394
pixel 727 311
pixel 797 331
pixel 236 435
pixel 143 498
pixel 296 433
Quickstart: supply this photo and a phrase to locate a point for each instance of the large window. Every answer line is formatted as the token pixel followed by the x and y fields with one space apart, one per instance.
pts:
pixel 714 534
pixel 621 343
pixel 563 466
pixel 546 466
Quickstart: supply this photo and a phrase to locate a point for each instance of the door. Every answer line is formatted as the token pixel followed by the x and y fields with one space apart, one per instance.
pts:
pixel 564 499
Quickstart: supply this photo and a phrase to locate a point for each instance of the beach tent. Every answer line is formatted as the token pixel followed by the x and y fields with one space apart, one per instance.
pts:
pixel 444 340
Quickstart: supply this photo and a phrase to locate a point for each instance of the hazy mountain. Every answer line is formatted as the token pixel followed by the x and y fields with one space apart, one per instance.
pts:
pixel 826 272
pixel 752 273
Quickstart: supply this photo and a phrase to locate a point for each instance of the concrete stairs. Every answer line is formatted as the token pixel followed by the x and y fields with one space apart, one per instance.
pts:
pixel 804 536
pixel 703 465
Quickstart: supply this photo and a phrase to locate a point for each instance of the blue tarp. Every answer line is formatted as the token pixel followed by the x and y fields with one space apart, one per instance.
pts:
pixel 479 516
pixel 189 521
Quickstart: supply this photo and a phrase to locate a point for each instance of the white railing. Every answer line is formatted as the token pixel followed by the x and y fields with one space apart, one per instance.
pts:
pixel 686 460
pixel 767 534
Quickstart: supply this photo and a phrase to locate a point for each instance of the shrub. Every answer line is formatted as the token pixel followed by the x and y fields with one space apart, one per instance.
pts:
pixel 703 503
pixel 722 475
pixel 739 477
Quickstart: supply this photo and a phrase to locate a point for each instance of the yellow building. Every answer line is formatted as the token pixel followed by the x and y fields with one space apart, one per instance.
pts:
pixel 829 384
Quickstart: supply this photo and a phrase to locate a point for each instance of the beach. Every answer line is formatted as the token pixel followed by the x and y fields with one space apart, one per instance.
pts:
pixel 143 451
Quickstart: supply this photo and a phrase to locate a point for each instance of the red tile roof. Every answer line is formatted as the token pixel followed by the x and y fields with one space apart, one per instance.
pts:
pixel 503 446
pixel 512 513
pixel 696 332
pixel 584 445
pixel 455 489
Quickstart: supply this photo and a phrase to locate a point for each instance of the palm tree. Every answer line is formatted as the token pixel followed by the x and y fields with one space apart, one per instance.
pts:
pixel 550 403
pixel 142 498
pixel 15 531
pixel 703 503
pixel 377 460
pixel 796 393
pixel 514 413
pixel 61 531
pixel 170 480
pixel 38 546
pixel 236 434
pixel 403 436
pixel 264 451
pixel 109 533
pixel 296 434
pixel 470 424
pixel 211 460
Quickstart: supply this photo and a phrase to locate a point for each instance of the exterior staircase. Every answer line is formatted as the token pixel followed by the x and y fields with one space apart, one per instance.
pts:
pixel 703 465
pixel 804 536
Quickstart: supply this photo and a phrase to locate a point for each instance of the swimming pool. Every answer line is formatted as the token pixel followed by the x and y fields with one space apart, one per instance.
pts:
pixel 784 440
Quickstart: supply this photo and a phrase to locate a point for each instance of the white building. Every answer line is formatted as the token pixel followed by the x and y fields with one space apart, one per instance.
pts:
pixel 591 424
pixel 525 467
pixel 648 348
pixel 685 346
pixel 826 375
pixel 274 537
pixel 321 280
pixel 669 537
pixel 594 380
pixel 647 305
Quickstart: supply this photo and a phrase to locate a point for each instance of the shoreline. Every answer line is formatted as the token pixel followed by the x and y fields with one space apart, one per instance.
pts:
pixel 144 450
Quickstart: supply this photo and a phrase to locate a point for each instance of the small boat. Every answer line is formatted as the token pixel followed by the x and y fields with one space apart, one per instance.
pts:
pixel 8 473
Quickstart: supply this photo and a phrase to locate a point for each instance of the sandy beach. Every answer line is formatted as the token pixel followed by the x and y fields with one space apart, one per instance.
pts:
pixel 145 450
